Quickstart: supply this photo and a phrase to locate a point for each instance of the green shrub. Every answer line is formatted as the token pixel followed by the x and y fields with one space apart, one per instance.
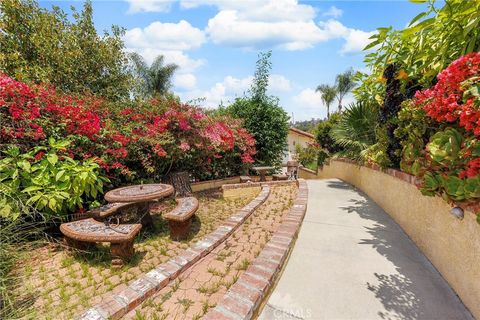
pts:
pixel 46 46
pixel 262 116
pixel 308 156
pixel 355 131
pixel 323 137
pixel 46 180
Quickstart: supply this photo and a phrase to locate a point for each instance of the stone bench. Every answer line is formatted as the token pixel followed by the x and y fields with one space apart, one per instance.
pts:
pixel 244 179
pixel 180 218
pixel 279 177
pixel 121 236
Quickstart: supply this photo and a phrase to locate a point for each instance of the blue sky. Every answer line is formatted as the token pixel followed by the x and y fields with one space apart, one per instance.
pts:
pixel 216 42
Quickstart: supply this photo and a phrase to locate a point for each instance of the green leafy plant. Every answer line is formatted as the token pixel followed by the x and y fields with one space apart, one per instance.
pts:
pixel 322 134
pixel 432 40
pixel 308 156
pixel 47 180
pixel 355 131
pixel 41 45
pixel 262 116
pixel 414 131
pixel 448 154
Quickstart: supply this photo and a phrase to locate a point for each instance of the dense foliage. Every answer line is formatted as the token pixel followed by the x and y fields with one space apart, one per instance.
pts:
pixel 153 80
pixel 424 85
pixel 47 180
pixel 433 39
pixel 308 156
pixel 355 131
pixel 46 46
pixel 263 117
pixel 323 137
pixel 140 142
pixel 449 162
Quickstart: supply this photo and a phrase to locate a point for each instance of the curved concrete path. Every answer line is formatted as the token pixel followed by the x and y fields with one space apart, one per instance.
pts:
pixel 352 261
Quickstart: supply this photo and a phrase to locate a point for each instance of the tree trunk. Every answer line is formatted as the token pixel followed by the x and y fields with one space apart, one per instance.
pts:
pixel 180 182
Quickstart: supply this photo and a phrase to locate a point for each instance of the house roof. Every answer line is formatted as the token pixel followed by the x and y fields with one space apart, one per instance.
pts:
pixel 303 133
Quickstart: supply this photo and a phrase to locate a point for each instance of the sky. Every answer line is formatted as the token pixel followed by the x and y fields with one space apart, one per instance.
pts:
pixel 216 43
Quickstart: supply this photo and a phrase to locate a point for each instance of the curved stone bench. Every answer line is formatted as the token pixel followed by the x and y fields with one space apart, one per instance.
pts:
pixel 120 236
pixel 279 177
pixel 180 218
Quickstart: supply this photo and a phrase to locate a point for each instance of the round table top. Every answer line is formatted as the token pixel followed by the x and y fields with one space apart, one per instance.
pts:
pixel 139 193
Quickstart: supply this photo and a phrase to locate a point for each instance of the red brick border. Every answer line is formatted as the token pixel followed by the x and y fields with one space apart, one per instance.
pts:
pixel 257 184
pixel 245 296
pixel 115 305
pixel 411 179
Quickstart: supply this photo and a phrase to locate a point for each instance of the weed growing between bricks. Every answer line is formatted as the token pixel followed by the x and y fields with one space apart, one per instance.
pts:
pixel 198 289
pixel 64 283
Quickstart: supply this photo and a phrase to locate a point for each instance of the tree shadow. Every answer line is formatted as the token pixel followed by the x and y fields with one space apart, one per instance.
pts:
pixel 339 185
pixel 411 292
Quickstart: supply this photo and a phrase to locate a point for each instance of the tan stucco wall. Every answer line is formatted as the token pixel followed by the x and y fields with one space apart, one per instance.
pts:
pixel 294 139
pixel 452 245
pixel 305 173
pixel 211 184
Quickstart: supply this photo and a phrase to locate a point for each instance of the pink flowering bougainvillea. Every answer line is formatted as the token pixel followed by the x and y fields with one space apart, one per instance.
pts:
pixel 130 142
pixel 450 161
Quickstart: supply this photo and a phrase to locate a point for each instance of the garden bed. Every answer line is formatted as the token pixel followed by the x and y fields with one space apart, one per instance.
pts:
pixel 60 284
pixel 202 286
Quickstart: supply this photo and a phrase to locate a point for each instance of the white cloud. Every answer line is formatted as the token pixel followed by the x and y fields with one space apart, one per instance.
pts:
pixel 308 98
pixel 149 5
pixel 231 87
pixel 250 24
pixel 308 104
pixel 259 10
pixel 165 36
pixel 186 81
pixel 290 28
pixel 228 28
pixel 185 63
pixel 333 12
pixel 278 83
pixel 169 40
pixel 356 40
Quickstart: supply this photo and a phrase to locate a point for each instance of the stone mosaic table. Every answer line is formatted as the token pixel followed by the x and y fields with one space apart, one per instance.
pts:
pixel 140 196
pixel 262 171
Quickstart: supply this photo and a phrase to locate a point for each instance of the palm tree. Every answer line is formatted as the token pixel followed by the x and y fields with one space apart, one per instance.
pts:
pixel 153 80
pixel 344 83
pixel 355 131
pixel 328 94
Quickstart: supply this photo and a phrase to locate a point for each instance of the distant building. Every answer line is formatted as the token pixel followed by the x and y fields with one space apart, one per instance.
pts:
pixel 296 137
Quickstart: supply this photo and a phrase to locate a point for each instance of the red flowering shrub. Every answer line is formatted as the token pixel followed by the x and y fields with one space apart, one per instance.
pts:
pixel 448 160
pixel 143 141
pixel 452 98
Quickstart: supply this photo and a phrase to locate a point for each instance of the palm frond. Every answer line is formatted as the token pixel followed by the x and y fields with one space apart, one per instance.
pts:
pixel 355 131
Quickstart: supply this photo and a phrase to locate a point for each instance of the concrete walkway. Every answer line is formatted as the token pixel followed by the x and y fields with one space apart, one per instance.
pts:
pixel 352 261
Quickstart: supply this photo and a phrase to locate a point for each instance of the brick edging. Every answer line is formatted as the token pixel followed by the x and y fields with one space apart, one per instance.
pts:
pixel 257 184
pixel 408 178
pixel 115 305
pixel 245 296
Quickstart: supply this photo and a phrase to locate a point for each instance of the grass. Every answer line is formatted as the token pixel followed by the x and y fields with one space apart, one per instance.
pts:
pixel 17 239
